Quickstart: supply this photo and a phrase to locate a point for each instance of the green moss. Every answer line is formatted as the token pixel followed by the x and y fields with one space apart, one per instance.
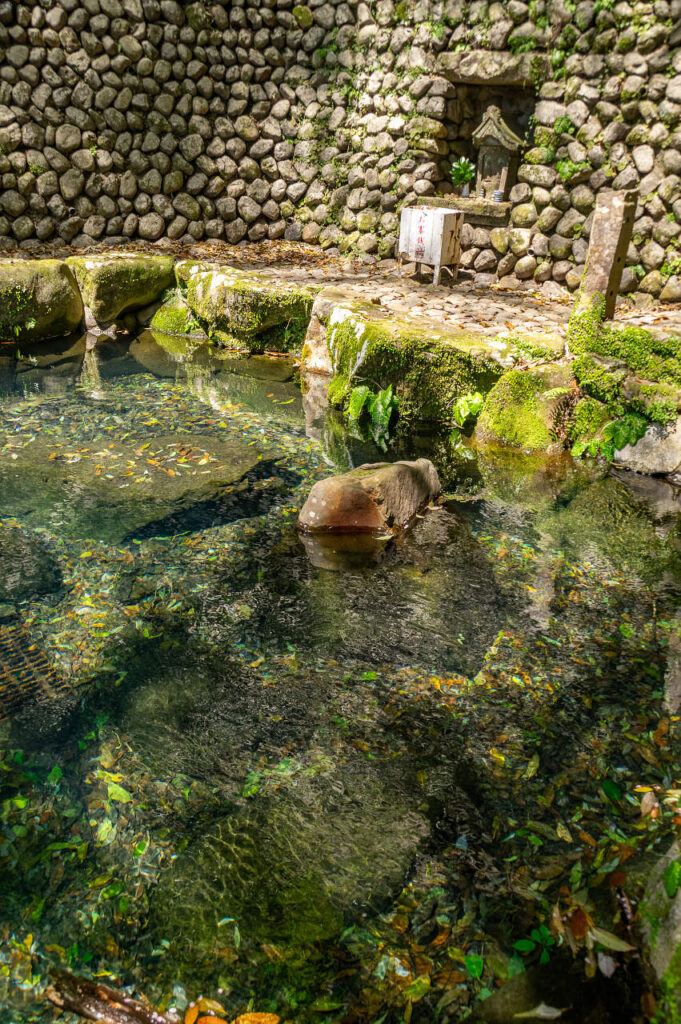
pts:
pixel 571 171
pixel 112 283
pixel 669 1012
pixel 600 381
pixel 303 16
pixel 38 299
pixel 247 310
pixel 428 370
pixel 521 408
pixel 174 317
pixel 658 402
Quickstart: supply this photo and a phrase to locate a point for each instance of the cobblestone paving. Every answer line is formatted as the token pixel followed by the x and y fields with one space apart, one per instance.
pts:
pixel 487 308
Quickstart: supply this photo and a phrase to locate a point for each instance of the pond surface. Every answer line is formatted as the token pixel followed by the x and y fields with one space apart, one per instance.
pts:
pixel 373 792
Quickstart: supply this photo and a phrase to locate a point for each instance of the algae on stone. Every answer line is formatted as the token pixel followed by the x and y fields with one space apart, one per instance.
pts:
pixel 115 282
pixel 39 299
pixel 246 310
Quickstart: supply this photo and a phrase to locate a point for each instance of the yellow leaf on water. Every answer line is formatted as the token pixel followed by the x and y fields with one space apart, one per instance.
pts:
pixel 257 1018
pixel 497 756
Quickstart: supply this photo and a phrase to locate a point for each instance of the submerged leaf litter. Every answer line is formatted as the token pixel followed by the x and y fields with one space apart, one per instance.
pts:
pixel 372 795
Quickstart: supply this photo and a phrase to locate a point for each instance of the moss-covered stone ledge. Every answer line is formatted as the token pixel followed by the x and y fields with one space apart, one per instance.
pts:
pixel 429 365
pixel 39 299
pixel 115 282
pixel 246 310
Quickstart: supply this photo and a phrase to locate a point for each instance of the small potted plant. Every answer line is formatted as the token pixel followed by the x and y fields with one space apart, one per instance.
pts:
pixel 462 174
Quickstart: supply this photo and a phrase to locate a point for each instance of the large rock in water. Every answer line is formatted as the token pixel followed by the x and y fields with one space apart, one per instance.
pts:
pixel 658 452
pixel 38 299
pixel 371 498
pixel 112 283
pixel 246 310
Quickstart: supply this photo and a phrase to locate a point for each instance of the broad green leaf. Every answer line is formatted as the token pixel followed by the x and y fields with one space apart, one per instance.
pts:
pixel 474 965
pixel 611 789
pixel 610 941
pixel 672 878
pixel 116 792
pixel 524 945
pixel 420 986
pixel 358 399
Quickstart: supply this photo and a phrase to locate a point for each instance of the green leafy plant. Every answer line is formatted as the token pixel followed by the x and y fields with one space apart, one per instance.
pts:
pixel 616 434
pixel 468 406
pixel 376 410
pixel 564 126
pixel 462 171
pixel 541 940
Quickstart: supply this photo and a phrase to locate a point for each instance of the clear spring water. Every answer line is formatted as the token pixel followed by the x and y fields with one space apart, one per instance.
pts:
pixel 340 793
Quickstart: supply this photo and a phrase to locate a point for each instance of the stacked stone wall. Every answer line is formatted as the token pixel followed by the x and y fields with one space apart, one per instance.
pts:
pixel 257 119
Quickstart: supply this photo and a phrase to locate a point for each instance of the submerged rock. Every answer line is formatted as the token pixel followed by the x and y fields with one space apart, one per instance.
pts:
pixel 112 283
pixel 245 310
pixel 372 498
pixel 286 866
pixel 26 568
pixel 38 299
pixel 115 492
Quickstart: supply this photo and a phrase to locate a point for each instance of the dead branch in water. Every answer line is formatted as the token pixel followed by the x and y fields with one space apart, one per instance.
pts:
pixel 94 1001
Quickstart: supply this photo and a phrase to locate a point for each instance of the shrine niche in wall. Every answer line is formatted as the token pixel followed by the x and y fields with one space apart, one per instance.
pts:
pixel 498 147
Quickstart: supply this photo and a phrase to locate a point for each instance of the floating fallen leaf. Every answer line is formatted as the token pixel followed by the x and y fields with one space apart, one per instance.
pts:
pixel 191 1015
pixel 579 923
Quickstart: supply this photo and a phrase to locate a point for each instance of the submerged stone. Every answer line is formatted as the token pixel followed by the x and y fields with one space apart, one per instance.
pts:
pixel 26 567
pixel 523 407
pixel 660 915
pixel 246 310
pixel 286 866
pixel 116 491
pixel 113 283
pixel 38 299
pixel 372 498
